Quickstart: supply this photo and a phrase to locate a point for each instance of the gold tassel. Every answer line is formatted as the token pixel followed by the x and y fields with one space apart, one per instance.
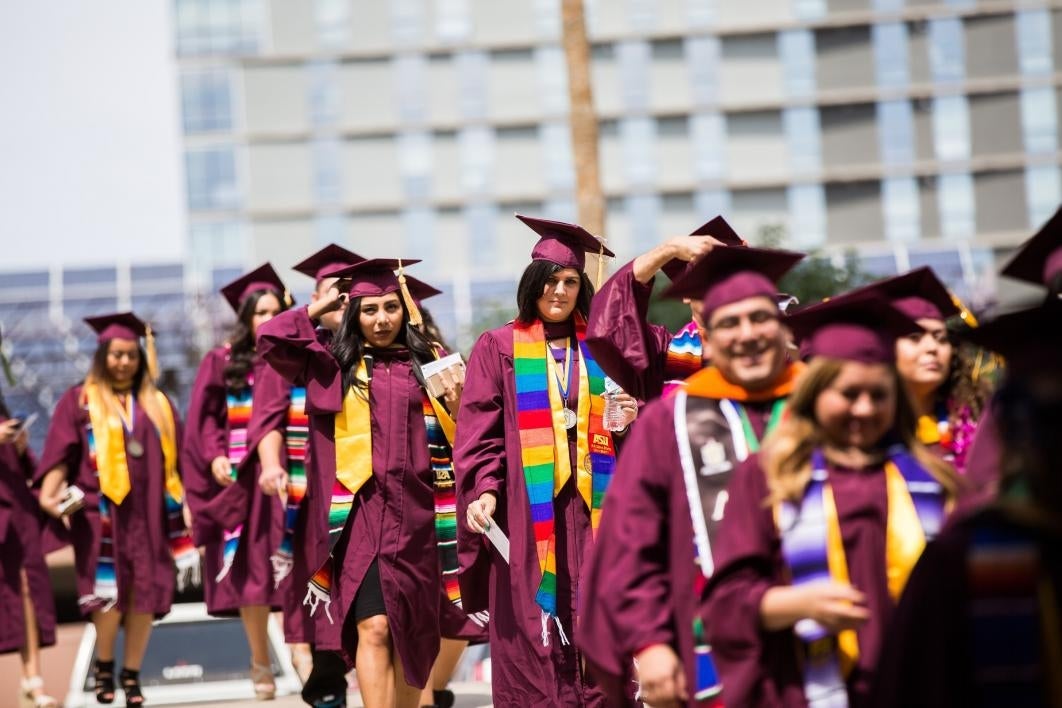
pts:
pixel 600 265
pixel 411 307
pixel 288 299
pixel 152 353
pixel 964 312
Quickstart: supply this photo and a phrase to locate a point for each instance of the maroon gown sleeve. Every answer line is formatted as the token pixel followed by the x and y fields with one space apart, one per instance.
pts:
pixel 629 349
pixel 205 439
pixel 626 603
pixel 984 456
pixel 62 445
pixel 479 462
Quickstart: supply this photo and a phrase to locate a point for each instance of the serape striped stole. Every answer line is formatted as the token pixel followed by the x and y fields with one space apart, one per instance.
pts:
pixel 544 444
pixel 683 357
pixel 238 406
pixel 296 433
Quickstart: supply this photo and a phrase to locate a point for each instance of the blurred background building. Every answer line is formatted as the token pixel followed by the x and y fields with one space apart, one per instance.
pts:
pixel 914 132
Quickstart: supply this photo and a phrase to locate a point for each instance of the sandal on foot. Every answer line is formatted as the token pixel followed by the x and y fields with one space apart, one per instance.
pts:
pixel 33 693
pixel 130 681
pixel 265 687
pixel 103 678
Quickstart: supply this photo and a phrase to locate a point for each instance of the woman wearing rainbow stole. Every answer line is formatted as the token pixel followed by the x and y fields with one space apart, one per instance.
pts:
pixel 823 526
pixel 369 504
pixel 115 437
pixel 239 526
pixel 533 461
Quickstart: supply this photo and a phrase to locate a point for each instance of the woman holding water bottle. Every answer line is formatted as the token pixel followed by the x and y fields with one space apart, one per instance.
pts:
pixel 533 459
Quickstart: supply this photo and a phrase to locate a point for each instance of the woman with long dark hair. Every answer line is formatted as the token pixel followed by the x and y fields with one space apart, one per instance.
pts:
pixel 227 441
pixel 115 438
pixel 376 439
pixel 25 589
pixel 533 462
pixel 823 526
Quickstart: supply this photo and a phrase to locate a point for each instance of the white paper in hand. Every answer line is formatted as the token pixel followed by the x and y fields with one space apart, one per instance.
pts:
pixel 499 540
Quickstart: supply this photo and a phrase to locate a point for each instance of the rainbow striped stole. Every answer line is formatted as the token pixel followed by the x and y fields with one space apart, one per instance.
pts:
pixel 296 434
pixel 544 446
pixel 238 412
pixel 683 357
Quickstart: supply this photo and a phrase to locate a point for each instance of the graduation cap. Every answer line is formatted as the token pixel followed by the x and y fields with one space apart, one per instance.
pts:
pixel 563 243
pixel 375 277
pixel 1039 260
pixel 728 274
pixel 918 293
pixel 861 328
pixel 1029 339
pixel 329 257
pixel 264 277
pixel 126 325
pixel 717 228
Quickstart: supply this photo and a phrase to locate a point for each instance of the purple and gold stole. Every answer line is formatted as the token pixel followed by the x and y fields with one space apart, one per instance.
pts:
pixel 238 409
pixel 544 447
pixel 813 549
pixel 296 434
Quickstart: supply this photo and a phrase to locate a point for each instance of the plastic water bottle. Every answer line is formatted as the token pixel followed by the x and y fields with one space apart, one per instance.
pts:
pixel 612 418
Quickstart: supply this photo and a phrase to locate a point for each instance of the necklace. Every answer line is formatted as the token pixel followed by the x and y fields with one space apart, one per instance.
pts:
pixel 563 375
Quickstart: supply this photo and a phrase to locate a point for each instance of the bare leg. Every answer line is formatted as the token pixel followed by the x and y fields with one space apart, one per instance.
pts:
pixel 256 624
pixel 106 624
pixel 30 653
pixel 405 696
pixel 301 659
pixel 137 633
pixel 375 672
pixel 450 651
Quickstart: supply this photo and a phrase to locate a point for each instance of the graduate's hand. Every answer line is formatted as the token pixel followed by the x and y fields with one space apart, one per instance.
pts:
pixel 221 470
pixel 273 479
pixel 480 512
pixel 836 606
pixel 628 406
pixel 333 299
pixel 690 248
pixel 9 431
pixel 453 381
pixel 661 676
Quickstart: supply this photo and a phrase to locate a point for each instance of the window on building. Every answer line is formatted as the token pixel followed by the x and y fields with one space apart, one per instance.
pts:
pixel 1039 120
pixel 218 26
pixel 796 50
pixel 552 79
pixel 476 145
pixel 211 178
pixel 890 54
pixel 803 136
pixel 555 137
pixel 471 68
pixel 206 101
pixel 327 170
pixel 333 22
pixel 703 65
pixel 323 97
pixel 418 223
pixel 415 160
pixel 634 61
pixel 407 21
pixel 702 13
pixel 331 228
pixel 1043 192
pixel 900 209
pixel 410 84
pixel 482 234
pixel 896 132
pixel 214 244
pixel 955 195
pixel 453 21
pixel 638 136
pixel 547 18
pixel 1033 28
pixel 888 5
pixel 951 127
pixel 708 131
pixel 947 55
pixel 807 215
pixel 809 9
pixel 643 213
pixel 709 202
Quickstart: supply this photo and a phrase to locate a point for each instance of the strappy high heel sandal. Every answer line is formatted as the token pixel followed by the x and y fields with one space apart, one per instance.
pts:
pixel 30 696
pixel 103 678
pixel 265 687
pixel 130 682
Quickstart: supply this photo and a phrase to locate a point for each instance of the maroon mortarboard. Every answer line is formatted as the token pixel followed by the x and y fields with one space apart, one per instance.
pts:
pixel 918 293
pixel 371 278
pixel 330 257
pixel 420 290
pixel 728 274
pixel 264 277
pixel 563 243
pixel 1039 260
pixel 121 325
pixel 861 328
pixel 1029 339
pixel 717 228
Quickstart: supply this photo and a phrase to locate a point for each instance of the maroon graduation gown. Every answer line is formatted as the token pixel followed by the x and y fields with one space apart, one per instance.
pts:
pixel 638 586
pixel 632 351
pixel 984 459
pixel 927 660
pixel 143 561
pixel 21 524
pixel 761 668
pixel 487 457
pixel 250 580
pixel 393 517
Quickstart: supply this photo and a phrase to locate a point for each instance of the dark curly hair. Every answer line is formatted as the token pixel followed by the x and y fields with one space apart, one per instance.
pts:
pixel 241 341
pixel 965 392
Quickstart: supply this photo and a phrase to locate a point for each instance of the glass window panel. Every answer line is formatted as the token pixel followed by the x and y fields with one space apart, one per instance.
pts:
pixel 890 53
pixel 710 202
pixel 333 21
pixel 807 215
pixel 206 101
pixel 888 5
pixel 900 208
pixel 1034 41
pixel 331 228
pixel 809 9
pixel 453 22
pixel 547 17
pixel 796 49
pixel 947 55
pixel 211 178
pixel 552 79
pixel 418 224
pixel 701 13
pixel 803 136
pixel 638 136
pixel 415 159
pixel 1043 193
pixel 472 76
pixel 324 99
pixel 896 132
pixel 634 59
pixel 557 143
pixel 407 21
pixel 708 131
pixel 327 170
pixel 482 234
pixel 702 59
pixel 955 195
pixel 476 144
pixel 410 76
pixel 643 211
pixel 951 127
pixel 1039 120
pixel 218 26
